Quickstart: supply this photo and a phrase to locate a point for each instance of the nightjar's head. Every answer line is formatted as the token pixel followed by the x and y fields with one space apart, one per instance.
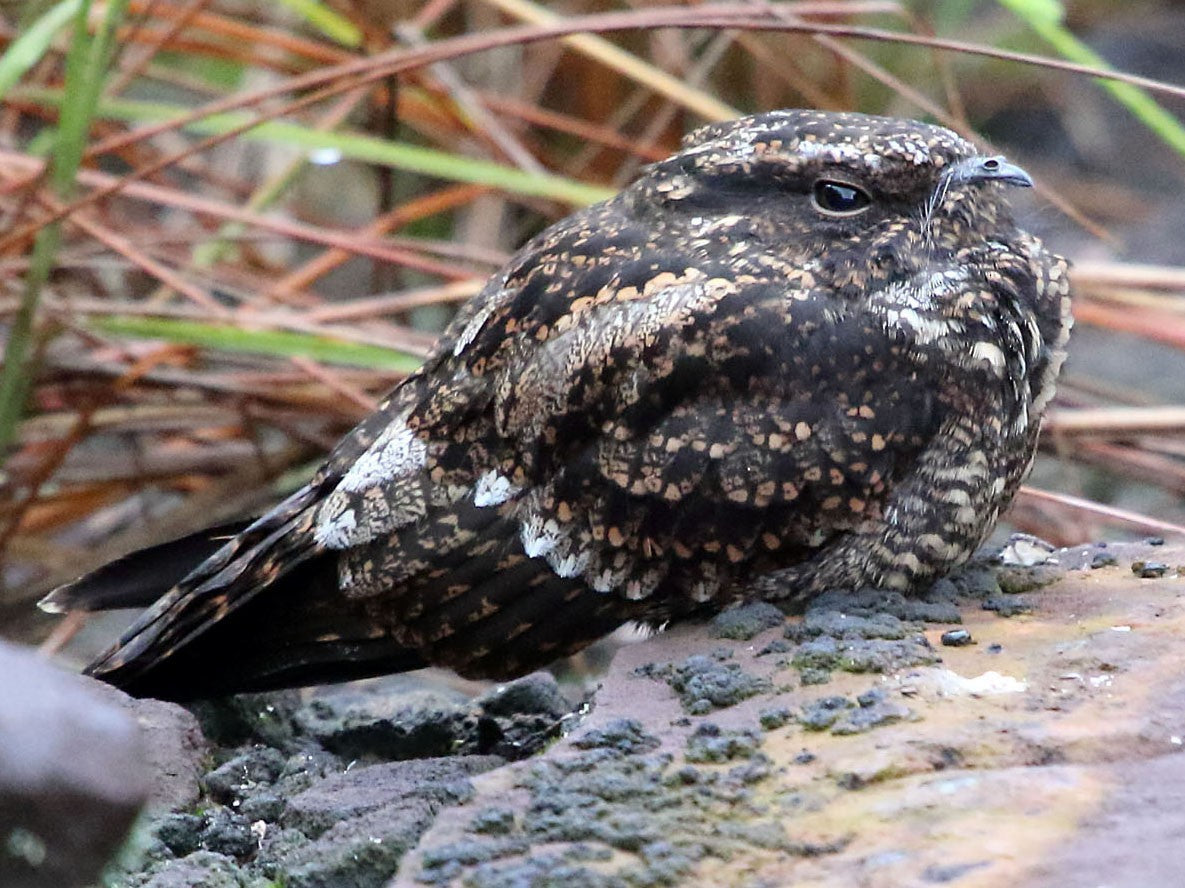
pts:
pixel 878 195
pixel 904 222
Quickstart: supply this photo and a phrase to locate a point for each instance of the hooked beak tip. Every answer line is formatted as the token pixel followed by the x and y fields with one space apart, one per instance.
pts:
pixel 991 169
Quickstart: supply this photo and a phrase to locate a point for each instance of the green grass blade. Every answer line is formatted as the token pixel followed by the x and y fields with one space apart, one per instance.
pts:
pixel 84 81
pixel 30 47
pixel 399 155
pixel 86 63
pixel 274 343
pixel 325 20
pixel 1047 19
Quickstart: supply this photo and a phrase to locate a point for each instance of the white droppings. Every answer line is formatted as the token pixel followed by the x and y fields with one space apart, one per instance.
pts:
pixel 493 489
pixel 988 684
pixel 397 452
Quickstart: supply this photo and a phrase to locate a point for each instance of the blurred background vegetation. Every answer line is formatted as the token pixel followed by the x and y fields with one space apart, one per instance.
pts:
pixel 228 227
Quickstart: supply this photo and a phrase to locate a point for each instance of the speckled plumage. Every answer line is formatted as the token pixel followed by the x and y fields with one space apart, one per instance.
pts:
pixel 704 389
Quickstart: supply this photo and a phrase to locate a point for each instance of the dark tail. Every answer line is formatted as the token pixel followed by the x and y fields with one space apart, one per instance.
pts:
pixel 297 630
pixel 257 612
pixel 139 579
pixel 265 610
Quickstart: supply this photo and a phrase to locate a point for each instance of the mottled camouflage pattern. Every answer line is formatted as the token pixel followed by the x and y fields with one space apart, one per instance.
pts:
pixel 704 389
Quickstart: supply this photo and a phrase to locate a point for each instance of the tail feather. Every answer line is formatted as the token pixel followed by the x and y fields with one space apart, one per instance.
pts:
pixel 262 612
pixel 298 631
pixel 200 601
pixel 139 579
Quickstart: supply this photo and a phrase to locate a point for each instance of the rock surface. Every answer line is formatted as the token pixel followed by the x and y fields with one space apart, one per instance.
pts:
pixel 851 748
pixel 1019 725
pixel 173 750
pixel 71 774
pixel 329 788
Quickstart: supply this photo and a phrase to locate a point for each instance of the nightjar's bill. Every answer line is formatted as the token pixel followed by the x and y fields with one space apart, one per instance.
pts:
pixel 809 350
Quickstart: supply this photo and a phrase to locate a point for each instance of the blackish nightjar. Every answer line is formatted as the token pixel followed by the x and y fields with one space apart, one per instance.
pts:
pixel 810 350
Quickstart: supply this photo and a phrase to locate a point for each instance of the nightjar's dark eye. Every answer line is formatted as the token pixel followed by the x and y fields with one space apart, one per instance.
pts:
pixel 840 198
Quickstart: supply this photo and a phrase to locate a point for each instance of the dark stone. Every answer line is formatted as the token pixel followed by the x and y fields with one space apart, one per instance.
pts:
pixel 175 752
pixel 226 832
pixel 818 653
pixel 303 769
pixel 943 874
pixel 342 797
pixel 234 779
pixel 277 846
pixel 370 725
pixel 850 781
pixel 858 654
pixel 1149 570
pixel 823 713
pixel 957 638
pixel 811 675
pixel 467 853
pixel 359 851
pixel 544 871
pixel 975 580
pixel 777 646
pixel 709 744
pixel 249 718
pixel 837 624
pixel 753 771
pixel 201 868
pixel 264 806
pixel 1017 580
pixel 685 776
pixel 774 717
pixel 1007 606
pixel 1103 559
pixel 493 821
pixel 871 697
pixel 72 774
pixel 742 623
pixel 921 610
pixel 939 604
pixel 624 735
pixel 873 711
pixel 705 683
pixel 517 719
pixel 180 833
pixel 534 694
